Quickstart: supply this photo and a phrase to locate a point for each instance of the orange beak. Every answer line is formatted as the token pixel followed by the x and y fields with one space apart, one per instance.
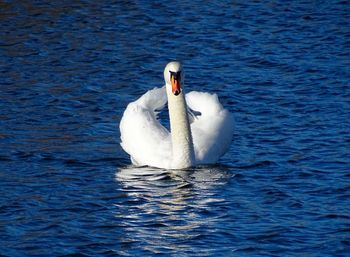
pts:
pixel 175 86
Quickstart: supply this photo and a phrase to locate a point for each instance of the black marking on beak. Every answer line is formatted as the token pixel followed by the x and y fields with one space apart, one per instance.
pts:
pixel 176 75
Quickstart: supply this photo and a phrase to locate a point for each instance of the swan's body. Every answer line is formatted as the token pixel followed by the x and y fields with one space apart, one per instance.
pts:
pixel 194 139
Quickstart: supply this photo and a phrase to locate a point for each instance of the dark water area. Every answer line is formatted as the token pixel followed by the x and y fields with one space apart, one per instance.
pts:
pixel 67 72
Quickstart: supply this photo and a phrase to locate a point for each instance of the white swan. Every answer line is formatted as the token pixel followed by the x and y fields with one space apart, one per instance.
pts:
pixel 201 137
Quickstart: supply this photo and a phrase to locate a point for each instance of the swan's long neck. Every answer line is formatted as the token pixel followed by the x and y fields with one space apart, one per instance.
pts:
pixel 182 144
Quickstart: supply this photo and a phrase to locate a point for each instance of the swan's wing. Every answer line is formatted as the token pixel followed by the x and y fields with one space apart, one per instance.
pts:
pixel 142 136
pixel 212 130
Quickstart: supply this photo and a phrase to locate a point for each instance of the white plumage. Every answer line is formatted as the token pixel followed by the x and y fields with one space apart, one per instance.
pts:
pixel 149 143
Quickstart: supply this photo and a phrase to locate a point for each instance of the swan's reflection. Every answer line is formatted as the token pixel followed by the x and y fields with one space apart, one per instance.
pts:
pixel 163 206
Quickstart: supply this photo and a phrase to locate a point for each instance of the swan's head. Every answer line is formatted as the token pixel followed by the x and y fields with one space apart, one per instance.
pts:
pixel 173 76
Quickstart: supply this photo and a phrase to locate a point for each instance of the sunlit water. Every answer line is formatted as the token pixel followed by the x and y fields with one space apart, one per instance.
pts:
pixel 67 72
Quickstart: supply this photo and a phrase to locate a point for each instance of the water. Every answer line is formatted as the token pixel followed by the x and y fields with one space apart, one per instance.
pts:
pixel 68 71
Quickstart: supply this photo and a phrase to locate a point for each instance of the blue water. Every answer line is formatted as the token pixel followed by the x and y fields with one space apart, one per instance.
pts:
pixel 69 68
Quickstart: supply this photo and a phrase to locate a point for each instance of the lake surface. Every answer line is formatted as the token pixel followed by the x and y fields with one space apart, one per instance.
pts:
pixel 67 72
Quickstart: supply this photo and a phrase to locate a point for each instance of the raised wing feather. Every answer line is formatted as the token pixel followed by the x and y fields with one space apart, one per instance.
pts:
pixel 142 135
pixel 212 130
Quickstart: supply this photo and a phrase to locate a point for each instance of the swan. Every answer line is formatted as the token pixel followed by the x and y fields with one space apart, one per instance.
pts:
pixel 201 129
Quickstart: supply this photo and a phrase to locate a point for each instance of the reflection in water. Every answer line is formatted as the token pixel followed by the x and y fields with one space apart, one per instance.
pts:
pixel 165 205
